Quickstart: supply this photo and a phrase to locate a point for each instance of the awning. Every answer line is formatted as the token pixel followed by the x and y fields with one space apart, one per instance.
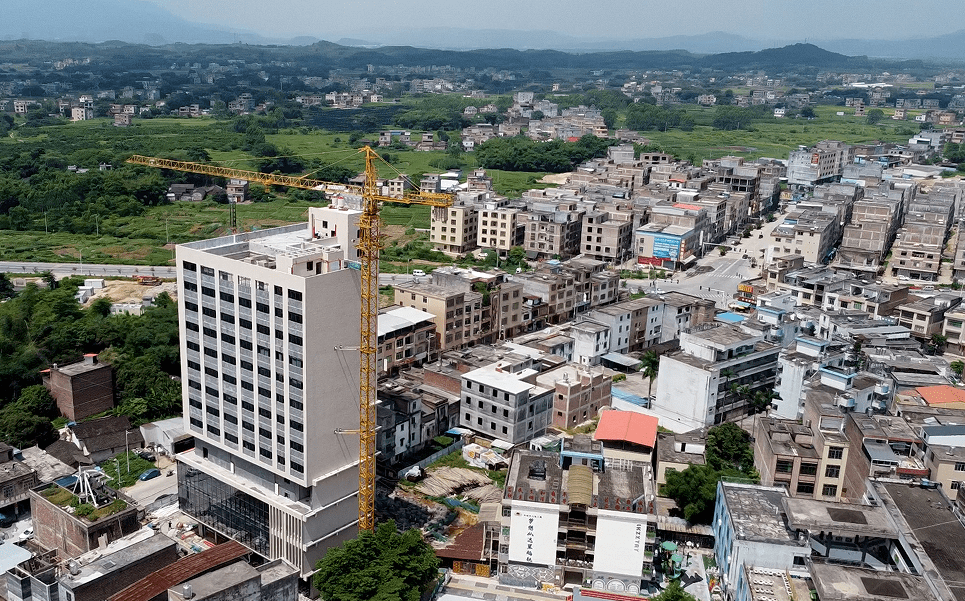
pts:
pixel 690 260
pixel 741 305
pixel 621 359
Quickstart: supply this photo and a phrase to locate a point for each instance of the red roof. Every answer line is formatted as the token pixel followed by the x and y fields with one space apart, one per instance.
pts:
pixel 681 205
pixel 936 395
pixel 180 571
pixel 628 426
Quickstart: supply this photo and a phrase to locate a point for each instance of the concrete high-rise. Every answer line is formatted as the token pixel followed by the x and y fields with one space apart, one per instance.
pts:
pixel 269 324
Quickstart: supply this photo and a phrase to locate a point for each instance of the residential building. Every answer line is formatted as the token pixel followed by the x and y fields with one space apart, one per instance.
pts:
pixel 104 437
pixel 880 300
pixel 405 338
pixel 926 317
pixel 399 416
pixel 885 447
pixel 500 228
pixel 117 569
pixel 822 163
pixel 629 439
pixel 268 384
pixel 784 455
pixel 552 231
pixel 569 519
pixel 459 316
pixel 81 389
pixel 749 530
pixel 504 404
pixel 453 230
pixel 273 581
pixel 606 237
pixel 579 393
pixel 678 451
pixel 944 455
pixel 811 234
pixel 714 375
pixel 681 312
pixel 591 341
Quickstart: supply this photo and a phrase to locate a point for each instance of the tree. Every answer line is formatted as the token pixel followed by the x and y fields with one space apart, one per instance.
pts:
pixel 729 448
pixel 674 592
pixel 651 366
pixel 937 343
pixel 808 113
pixel 875 115
pixel 695 491
pixel 958 367
pixel 382 565
pixel 6 287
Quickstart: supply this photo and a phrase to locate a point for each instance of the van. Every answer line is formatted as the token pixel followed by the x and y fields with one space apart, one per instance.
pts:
pixel 418 273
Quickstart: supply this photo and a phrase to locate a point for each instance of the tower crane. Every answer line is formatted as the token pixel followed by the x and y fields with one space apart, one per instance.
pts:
pixel 369 246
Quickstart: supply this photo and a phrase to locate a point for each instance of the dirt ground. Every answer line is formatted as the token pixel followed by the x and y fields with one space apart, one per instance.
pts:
pixel 129 291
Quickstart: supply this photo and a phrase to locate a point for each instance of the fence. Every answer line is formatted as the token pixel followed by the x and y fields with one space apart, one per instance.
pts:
pixel 456 446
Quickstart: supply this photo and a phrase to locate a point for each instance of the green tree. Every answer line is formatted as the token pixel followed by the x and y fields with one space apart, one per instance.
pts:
pixel 958 367
pixel 695 491
pixel 6 287
pixel 808 113
pixel 729 448
pixel 382 565
pixel 650 368
pixel 875 115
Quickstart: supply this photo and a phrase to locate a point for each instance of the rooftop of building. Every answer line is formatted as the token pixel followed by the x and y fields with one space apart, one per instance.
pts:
pixel 108 433
pixel 846 583
pixel 290 240
pixel 723 334
pixel 839 519
pixel 927 517
pixel 48 467
pixel 505 381
pixel 667 446
pixel 942 394
pixel 756 513
pixel 180 571
pixel 892 429
pixel 788 438
pixel 217 581
pixel 89 364
pixel 627 426
pixel 395 319
pixel 433 290
pixel 113 561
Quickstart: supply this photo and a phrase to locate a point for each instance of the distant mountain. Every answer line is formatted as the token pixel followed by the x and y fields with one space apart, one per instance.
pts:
pixel 944 47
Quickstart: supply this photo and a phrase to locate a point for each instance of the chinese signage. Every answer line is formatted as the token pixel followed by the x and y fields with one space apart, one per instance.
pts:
pixel 532 534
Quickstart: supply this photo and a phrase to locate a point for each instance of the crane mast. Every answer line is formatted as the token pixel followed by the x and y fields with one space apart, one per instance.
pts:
pixel 369 246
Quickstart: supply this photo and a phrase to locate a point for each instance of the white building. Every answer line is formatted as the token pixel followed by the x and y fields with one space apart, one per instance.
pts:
pixel 749 530
pixel 265 387
pixel 714 374
pixel 501 404
pixel 591 340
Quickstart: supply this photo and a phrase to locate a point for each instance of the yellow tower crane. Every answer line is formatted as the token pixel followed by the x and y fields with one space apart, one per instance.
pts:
pixel 369 245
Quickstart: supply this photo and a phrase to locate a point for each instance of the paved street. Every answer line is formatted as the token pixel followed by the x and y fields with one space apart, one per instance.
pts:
pixel 88 269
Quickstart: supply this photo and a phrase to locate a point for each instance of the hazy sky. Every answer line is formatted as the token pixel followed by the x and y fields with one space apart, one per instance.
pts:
pixel 791 20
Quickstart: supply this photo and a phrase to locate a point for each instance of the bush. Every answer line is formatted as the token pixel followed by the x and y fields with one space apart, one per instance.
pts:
pixel 84 509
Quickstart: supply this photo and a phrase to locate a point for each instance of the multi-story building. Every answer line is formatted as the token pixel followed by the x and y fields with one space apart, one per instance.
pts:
pixel 944 454
pixel 714 375
pixel 405 338
pixel 81 389
pixel 606 238
pixel 568 518
pixel 749 530
pixel 501 227
pixel 820 164
pixel 681 312
pixel 784 455
pixel 578 393
pixel 459 316
pixel 552 231
pixel 502 307
pixel 504 404
pixel 811 234
pixel 868 238
pixel 266 321
pixel 453 230
pixel 926 317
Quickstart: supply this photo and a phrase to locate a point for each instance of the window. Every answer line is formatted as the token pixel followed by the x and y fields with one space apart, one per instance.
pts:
pixel 809 469
pixel 191 326
pixel 295 317
pixel 297 467
pixel 227 318
pixel 194 346
pixel 295 361
pixel 246 344
pixel 244 302
pixel 226 296
pixel 960 466
pixel 264 330
pixel 297 447
pixel 248 445
pixel 832 471
pixel 296 340
pixel 191 306
pixel 210 333
pixel 956 485
pixel 295 296
pixel 830 490
pixel 297 426
pixel 207 291
pixel 295 383
pixel 835 452
pixel 244 323
pixel 261 307
pixel 188 266
pixel 227 338
pixel 295 404
pixel 207 271
pixel 247 385
pixel 805 488
pixel 784 466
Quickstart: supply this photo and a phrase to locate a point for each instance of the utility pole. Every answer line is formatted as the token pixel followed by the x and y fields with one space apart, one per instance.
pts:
pixel 127 452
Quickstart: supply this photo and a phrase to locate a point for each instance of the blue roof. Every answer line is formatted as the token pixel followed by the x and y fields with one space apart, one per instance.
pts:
pixel 730 317
pixel 628 397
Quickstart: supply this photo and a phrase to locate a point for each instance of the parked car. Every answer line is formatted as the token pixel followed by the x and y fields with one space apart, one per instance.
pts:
pixel 418 273
pixel 27 534
pixel 151 473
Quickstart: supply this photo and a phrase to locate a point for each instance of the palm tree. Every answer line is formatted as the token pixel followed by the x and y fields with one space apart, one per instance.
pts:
pixel 651 366
pixel 762 399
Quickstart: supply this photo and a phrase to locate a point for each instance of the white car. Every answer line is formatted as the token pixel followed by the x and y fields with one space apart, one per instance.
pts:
pixel 903 278
pixel 27 534
pixel 418 273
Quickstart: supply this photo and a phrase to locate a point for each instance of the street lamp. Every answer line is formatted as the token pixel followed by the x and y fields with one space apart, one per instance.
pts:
pixel 127 452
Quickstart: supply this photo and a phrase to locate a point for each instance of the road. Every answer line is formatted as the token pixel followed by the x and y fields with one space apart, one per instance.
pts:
pixel 95 270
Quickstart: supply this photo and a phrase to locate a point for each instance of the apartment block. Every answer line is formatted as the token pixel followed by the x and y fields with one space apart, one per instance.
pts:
pixel 267 385
pixel 822 163
pixel 459 316
pixel 504 404
pixel 454 230
pixel 579 393
pixel 552 231
pixel 81 389
pixel 810 234
pixel 606 238
pixel 500 228
pixel 700 384
pixel 406 337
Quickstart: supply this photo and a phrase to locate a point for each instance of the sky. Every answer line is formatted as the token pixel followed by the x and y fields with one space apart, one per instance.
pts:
pixel 787 20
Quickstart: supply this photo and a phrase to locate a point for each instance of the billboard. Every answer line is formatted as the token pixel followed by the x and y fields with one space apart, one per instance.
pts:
pixel 666 247
pixel 620 542
pixel 532 533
